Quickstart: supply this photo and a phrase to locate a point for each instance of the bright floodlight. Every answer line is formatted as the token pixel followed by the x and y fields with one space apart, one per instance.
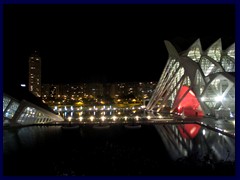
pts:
pixel 218 98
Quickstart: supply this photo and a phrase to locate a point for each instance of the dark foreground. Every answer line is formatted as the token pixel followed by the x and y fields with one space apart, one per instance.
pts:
pixel 86 151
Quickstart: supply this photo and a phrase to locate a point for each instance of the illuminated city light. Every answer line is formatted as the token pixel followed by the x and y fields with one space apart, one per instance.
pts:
pixel 148 117
pixel 103 118
pixel 114 118
pixel 91 118
pixel 80 118
pixel 137 118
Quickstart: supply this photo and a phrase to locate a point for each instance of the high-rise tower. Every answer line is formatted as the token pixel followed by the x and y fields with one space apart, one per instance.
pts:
pixel 34 76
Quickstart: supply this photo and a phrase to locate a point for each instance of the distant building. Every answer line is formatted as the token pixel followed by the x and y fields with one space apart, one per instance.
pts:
pixel 34 76
pixel 70 93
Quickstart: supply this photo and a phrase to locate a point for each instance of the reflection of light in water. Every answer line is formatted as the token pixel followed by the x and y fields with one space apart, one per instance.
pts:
pixel 72 114
pixel 137 118
pixel 189 130
pixel 103 118
pixel 80 118
pixel 114 118
pixel 91 118
pixel 204 132
pixel 94 113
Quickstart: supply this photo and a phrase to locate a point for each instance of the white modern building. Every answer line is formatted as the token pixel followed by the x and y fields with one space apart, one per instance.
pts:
pixel 197 82
pixel 22 112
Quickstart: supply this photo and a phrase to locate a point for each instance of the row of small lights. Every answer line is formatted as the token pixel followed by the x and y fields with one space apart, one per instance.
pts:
pixel 103 118
pixel 94 108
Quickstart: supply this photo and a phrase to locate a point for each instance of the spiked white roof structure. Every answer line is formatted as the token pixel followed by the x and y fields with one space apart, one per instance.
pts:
pixel 206 76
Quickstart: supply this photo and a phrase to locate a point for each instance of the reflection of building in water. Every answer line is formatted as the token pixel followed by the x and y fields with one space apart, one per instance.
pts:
pixel 191 140
pixel 197 82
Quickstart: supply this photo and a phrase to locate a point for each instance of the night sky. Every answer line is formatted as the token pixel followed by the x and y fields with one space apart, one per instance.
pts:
pixel 106 43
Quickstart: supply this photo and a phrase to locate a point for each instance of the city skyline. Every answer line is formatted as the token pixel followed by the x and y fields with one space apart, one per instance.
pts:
pixel 106 43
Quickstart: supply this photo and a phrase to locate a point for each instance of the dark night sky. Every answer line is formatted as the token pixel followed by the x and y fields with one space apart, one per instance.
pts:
pixel 106 43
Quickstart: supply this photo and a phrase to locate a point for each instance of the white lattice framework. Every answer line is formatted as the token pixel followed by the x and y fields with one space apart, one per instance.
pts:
pixel 25 113
pixel 208 74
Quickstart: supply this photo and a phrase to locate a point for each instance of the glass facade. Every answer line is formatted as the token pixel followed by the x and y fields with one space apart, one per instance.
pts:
pixel 11 110
pixel 26 113
pixel 6 101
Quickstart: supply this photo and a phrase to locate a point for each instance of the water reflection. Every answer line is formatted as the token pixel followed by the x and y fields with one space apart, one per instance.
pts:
pixel 28 137
pixel 47 150
pixel 192 140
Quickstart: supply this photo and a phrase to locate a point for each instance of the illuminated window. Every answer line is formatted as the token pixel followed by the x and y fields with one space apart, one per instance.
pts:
pixel 11 110
pixel 6 101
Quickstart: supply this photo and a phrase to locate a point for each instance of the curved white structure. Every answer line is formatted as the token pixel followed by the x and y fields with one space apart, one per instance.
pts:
pixel 197 82
pixel 25 113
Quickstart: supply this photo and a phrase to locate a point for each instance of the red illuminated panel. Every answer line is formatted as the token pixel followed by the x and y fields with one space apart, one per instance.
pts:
pixel 190 105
